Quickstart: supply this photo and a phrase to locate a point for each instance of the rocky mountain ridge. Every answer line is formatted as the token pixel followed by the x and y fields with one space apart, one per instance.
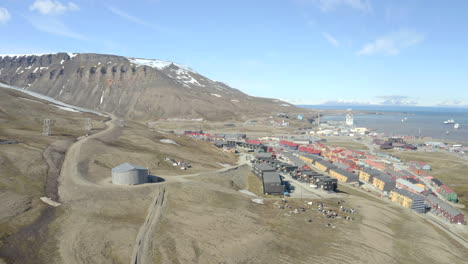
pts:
pixel 132 88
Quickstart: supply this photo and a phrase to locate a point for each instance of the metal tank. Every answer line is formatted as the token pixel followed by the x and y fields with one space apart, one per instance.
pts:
pixel 129 174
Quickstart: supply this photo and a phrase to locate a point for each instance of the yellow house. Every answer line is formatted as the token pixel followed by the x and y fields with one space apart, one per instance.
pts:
pixel 383 183
pixel 421 185
pixel 408 200
pixel 342 175
pixel 306 159
pixel 401 199
pixel 321 166
pixel 365 176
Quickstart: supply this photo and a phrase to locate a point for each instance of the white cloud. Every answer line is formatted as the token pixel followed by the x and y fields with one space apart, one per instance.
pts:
pixel 396 100
pixel 331 39
pixel 134 19
pixel 53 7
pixel 391 44
pixel 453 103
pixel 330 5
pixel 4 15
pixel 55 27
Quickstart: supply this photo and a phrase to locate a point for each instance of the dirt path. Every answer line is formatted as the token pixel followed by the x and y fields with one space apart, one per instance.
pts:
pixel 70 164
pixel 142 252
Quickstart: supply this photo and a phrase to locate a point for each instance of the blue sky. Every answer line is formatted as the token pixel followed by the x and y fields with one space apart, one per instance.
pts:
pixel 304 51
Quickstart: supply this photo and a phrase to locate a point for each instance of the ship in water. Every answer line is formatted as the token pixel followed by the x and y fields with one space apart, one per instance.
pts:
pixel 456 126
pixel 450 121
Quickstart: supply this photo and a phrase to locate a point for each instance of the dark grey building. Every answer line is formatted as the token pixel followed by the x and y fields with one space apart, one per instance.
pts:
pixel 272 183
pixel 260 168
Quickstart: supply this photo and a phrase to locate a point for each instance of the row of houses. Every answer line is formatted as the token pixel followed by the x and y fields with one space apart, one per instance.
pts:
pixel 328 167
pixel 303 173
pixel 445 191
pixel 317 180
pixel 242 144
pixel 403 186
pixel 440 207
pixel 289 144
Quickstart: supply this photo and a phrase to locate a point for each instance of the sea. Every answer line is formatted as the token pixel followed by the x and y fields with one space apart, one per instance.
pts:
pixel 417 121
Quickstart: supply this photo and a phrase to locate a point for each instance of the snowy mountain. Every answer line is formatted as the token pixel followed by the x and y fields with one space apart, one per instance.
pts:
pixel 134 88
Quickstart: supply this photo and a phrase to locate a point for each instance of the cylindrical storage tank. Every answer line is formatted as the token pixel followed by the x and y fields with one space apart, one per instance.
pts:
pixel 129 174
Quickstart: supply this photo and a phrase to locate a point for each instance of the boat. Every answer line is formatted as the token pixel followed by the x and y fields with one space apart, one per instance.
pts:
pixel 450 121
pixel 456 126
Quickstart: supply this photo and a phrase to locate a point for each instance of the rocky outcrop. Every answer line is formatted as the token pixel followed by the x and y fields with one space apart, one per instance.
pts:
pixel 132 88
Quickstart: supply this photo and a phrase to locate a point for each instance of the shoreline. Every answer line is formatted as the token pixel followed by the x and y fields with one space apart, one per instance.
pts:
pixel 377 130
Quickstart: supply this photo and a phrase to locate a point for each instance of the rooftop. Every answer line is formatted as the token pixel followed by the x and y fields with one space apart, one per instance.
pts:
pixel 271 177
pixel 409 194
pixel 263 167
pixel 124 167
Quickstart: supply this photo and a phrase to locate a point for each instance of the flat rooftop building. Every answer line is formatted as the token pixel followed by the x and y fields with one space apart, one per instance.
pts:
pixel 272 183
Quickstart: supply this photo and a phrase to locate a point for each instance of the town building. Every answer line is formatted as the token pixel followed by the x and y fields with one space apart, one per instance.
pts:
pixel 343 175
pixel 446 210
pixel 408 199
pixel 448 193
pixel 272 183
pixel 260 168
pixel 407 185
pixel 367 174
pixel 324 165
pixel 383 182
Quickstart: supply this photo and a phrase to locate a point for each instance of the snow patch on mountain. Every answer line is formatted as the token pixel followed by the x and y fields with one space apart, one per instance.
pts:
pixel 158 64
pixel 71 55
pixel 51 100
pixel 184 76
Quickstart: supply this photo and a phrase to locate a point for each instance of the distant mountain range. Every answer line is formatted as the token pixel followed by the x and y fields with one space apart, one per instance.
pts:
pixel 386 108
pixel 140 89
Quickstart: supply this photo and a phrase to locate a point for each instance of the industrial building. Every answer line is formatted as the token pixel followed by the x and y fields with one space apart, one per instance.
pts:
pixel 448 211
pixel 383 182
pixel 272 183
pixel 409 200
pixel 129 174
pixel 343 175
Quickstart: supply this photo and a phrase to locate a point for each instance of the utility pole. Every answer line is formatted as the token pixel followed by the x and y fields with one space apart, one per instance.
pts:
pixel 318 119
pixel 47 127
pixel 88 125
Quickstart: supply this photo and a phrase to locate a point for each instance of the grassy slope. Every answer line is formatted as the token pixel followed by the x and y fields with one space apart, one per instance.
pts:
pixel 23 170
pixel 345 142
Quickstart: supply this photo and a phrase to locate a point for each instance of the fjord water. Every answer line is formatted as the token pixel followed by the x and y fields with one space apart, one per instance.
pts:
pixel 420 121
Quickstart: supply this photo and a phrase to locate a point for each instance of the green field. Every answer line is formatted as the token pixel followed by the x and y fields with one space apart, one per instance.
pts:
pixel 345 142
